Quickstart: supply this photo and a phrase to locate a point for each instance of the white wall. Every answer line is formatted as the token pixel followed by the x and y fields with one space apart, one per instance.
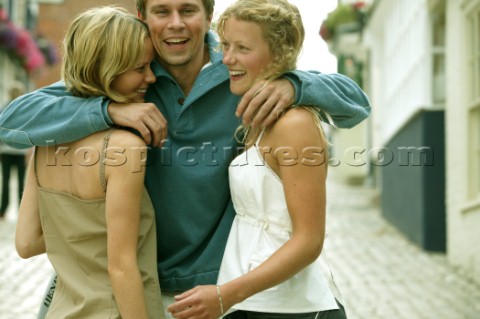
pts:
pixel 398 35
pixel 463 217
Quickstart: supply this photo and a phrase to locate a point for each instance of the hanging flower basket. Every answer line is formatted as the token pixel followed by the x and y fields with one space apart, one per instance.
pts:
pixel 345 18
pixel 19 44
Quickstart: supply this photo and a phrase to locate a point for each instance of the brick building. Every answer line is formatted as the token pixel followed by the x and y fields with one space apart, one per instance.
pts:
pixel 53 19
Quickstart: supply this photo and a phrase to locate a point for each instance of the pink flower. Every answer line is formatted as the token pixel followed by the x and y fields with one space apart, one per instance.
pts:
pixel 20 45
pixel 3 15
pixel 359 5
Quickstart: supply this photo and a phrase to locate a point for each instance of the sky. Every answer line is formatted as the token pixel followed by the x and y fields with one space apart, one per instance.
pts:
pixel 315 54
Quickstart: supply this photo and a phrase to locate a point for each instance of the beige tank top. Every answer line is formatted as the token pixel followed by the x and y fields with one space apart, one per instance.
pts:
pixel 75 235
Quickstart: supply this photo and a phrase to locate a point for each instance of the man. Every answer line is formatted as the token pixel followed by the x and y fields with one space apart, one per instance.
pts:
pixel 186 178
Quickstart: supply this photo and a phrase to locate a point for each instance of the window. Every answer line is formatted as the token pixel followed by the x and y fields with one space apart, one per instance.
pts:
pixel 438 59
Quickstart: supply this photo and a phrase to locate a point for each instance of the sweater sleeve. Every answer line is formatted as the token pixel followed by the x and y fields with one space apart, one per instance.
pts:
pixel 340 100
pixel 51 115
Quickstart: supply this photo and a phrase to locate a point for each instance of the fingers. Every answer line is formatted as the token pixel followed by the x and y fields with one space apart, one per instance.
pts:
pixel 184 313
pixel 184 295
pixel 186 308
pixel 274 114
pixel 155 129
pixel 259 108
pixel 182 301
pixel 247 98
pixel 152 125
pixel 152 131
pixel 180 309
pixel 200 302
pixel 146 118
pixel 264 102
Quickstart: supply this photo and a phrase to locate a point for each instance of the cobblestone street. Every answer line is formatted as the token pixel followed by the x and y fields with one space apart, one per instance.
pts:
pixel 377 271
pixel 381 274
pixel 22 281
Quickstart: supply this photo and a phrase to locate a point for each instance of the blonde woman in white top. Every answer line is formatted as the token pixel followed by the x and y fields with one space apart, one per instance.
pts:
pixel 270 268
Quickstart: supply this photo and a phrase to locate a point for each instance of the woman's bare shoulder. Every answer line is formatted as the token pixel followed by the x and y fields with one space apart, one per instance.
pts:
pixel 124 138
pixel 298 120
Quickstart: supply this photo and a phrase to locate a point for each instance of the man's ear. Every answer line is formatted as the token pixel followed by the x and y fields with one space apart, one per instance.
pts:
pixel 209 22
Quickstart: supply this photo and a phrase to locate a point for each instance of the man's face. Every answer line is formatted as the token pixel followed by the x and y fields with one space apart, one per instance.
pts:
pixel 178 29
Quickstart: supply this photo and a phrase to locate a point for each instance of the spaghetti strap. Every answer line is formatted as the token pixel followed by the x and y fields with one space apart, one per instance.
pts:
pixel 35 165
pixel 103 156
pixel 260 136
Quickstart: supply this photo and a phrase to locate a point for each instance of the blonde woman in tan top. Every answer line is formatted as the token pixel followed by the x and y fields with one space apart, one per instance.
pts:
pixel 85 203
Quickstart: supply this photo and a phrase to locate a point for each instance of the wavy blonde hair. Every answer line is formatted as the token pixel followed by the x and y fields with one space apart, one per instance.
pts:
pixel 100 44
pixel 283 31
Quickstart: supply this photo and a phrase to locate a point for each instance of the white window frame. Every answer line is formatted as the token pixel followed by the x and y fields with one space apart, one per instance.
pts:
pixel 473 104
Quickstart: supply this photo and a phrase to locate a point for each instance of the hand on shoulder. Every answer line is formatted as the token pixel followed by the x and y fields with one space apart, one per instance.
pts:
pixel 145 118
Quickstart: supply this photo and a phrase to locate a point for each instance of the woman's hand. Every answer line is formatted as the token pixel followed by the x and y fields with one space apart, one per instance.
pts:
pixel 201 302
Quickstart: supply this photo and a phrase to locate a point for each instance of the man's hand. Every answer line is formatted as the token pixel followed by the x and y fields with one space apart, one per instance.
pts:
pixel 264 102
pixel 143 117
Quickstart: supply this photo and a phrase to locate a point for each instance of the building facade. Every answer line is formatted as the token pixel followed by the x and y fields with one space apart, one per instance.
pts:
pixel 19 55
pixel 421 69
pixel 351 149
pixel 54 17
pixel 31 34
pixel 463 134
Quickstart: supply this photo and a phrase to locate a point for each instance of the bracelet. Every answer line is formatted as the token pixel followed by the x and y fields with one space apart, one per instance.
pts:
pixel 220 299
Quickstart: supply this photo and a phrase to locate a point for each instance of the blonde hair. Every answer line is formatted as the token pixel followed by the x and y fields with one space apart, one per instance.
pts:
pixel 282 29
pixel 100 44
